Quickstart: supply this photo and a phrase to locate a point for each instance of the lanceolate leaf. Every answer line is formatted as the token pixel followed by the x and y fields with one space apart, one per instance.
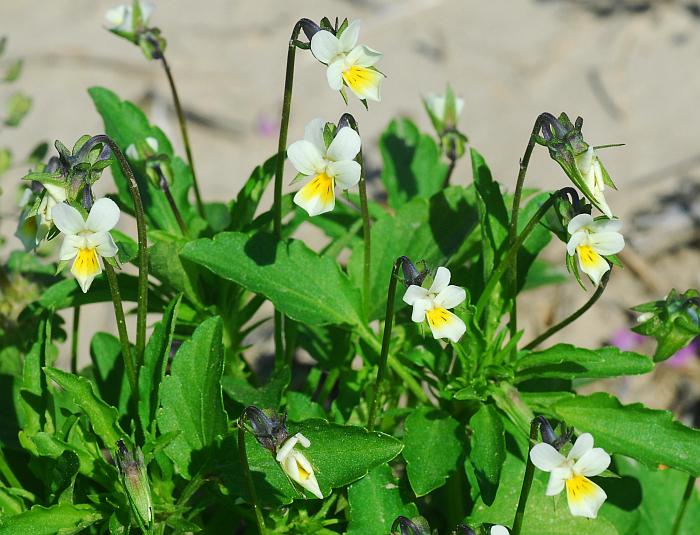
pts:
pixel 191 399
pixel 428 431
pixel 301 284
pixel 64 518
pixel 650 436
pixel 375 502
pixel 488 451
pixel 564 361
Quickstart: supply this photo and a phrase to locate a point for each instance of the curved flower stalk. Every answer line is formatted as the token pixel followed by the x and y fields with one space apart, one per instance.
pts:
pixel 297 466
pixel 434 303
pixel 87 241
pixel 583 461
pixel 591 240
pixel 329 164
pixel 349 64
pixel 595 177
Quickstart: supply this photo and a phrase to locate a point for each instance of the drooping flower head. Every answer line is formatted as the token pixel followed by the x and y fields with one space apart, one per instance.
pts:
pixel 443 111
pixel 349 64
pixel 297 466
pixel 595 177
pixel 87 240
pixel 329 163
pixel 572 472
pixel 433 303
pixel 128 18
pixel 591 240
pixel 36 219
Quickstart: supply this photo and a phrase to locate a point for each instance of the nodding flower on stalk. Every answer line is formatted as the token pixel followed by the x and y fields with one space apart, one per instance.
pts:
pixel 443 111
pixel 36 219
pixel 297 466
pixel 432 303
pixel 131 22
pixel 327 156
pixel 593 239
pixel 349 64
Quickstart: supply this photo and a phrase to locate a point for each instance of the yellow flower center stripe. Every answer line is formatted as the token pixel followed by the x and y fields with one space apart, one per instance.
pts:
pixel 86 264
pixel 359 78
pixel 438 317
pixel 321 186
pixel 303 474
pixel 579 488
pixel 587 255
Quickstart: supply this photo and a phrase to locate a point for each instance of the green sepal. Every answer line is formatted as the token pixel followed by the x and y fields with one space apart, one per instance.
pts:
pixel 572 267
pixel 344 95
pixel 329 131
pixel 364 103
pixel 298 178
pixel 343 26
pixel 606 177
pixel 61 266
pixel 55 178
pixel 326 25
pixel 614 260
pixel 450 118
pixel 63 151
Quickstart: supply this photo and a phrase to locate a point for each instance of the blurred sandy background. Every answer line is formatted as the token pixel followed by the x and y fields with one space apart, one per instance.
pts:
pixel 630 68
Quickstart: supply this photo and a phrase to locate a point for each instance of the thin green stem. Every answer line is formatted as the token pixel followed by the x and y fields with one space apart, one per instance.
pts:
pixel 165 188
pixel 386 339
pixel 142 238
pixel 513 231
pixel 192 486
pixel 129 365
pixel 185 135
pixel 249 480
pixel 279 172
pixel 687 493
pixel 74 339
pixel 573 317
pixel 7 472
pixel 527 481
pixel 450 170
pixel 512 254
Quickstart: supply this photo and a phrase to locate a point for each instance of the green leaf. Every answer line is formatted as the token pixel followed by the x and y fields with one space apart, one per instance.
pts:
pixel 564 361
pixel 303 285
pixel 13 71
pixel 375 502
pixel 155 361
pixel 168 267
pixel 300 407
pixel 5 160
pixel 411 163
pixel 61 519
pixel 31 405
pixel 248 199
pixel 268 396
pixel 543 273
pixel 112 383
pixel 431 230
pixel 103 417
pixel 650 436
pixel 428 430
pixel 488 450
pixel 191 398
pixel 18 105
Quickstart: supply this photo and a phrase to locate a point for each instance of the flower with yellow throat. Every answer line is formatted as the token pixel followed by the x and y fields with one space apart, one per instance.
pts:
pixel 348 63
pixel 591 240
pixel 86 240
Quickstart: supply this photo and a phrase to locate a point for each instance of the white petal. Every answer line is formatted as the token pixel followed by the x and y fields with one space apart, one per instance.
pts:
pixel 313 132
pixel 147 9
pixel 602 203
pixel 303 441
pixel 583 444
pixel 413 293
pixel 286 448
pixel 363 56
pixel 348 39
pixel 346 173
pixel 103 216
pixel 459 105
pixel 420 306
pixel 153 143
pixel 67 219
pixel 441 280
pixel 365 83
pixel 309 480
pixel 585 497
pixel 607 243
pixel 69 247
pixel 436 103
pixel 578 222
pixel 334 74
pixel 556 482
pixel 498 530
pixel 577 238
pixel 305 157
pixel 584 161
pixel 116 17
pixel 132 153
pixel 593 462
pixel 104 243
pixel 345 145
pixel 57 193
pixel 592 264
pixel 325 46
pixel 445 324
pixel 546 457
pixel 318 196
pixel 607 225
pixel 450 297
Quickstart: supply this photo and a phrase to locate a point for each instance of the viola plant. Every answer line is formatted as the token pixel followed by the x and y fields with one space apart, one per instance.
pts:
pixel 183 425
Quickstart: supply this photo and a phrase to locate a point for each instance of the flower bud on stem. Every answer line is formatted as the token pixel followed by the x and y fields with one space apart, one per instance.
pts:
pixel 246 474
pixel 527 480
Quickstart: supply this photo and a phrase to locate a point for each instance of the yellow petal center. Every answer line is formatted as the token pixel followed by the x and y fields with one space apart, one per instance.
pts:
pixel 86 264
pixel 587 255
pixel 438 317
pixel 321 186
pixel 579 488
pixel 303 474
pixel 359 78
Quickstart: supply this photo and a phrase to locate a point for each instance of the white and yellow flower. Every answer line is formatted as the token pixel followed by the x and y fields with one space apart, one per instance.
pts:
pixel 297 466
pixel 593 174
pixel 436 105
pixel 87 240
pixel 121 18
pixel 583 461
pixel 591 239
pixel 328 166
pixel 348 63
pixel 499 530
pixel 434 303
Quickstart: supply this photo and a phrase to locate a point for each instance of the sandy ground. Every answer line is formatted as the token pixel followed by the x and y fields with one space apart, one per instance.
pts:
pixel 629 68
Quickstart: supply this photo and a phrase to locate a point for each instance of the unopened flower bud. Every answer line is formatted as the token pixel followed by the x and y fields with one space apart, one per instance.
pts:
pixel 270 430
pixel 309 28
pixel 406 526
pixel 135 480
pixel 550 437
pixel 410 274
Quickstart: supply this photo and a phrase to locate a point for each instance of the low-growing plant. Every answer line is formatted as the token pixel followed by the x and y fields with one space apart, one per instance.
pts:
pixel 425 412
